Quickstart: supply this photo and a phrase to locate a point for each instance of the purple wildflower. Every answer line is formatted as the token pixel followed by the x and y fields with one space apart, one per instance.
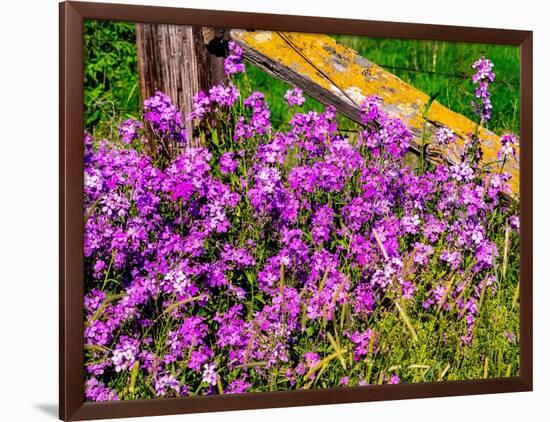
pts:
pixel 445 136
pixel 96 391
pixel 394 379
pixel 166 384
pixel 509 143
pixel 209 374
pixel 322 224
pixel 125 353
pixel 462 172
pixel 295 97
pixel 482 78
pixel 129 130
pixel 233 62
pixel 514 222
pixel 227 163
pixel 510 336
pixel 164 118
pixel 238 386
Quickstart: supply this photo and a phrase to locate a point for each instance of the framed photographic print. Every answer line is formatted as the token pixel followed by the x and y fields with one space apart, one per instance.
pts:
pixel 267 210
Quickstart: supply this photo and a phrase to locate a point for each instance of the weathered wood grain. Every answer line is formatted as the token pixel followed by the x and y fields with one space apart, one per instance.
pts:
pixel 334 74
pixel 175 59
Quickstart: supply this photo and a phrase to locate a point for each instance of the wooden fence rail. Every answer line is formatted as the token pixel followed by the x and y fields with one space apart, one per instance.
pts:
pixel 334 74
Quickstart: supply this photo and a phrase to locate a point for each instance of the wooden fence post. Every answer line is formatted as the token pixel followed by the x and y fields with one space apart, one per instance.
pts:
pixel 179 61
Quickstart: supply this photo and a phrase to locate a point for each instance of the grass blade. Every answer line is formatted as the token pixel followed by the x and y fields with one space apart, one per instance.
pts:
pixel 337 350
pixel 407 321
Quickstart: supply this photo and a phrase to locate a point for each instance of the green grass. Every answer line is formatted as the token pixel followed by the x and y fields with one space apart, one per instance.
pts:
pixel 445 68
pixel 111 89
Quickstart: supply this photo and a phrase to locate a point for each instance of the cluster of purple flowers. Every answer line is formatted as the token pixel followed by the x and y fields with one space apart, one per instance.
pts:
pixel 445 136
pixel 509 143
pixel 219 271
pixel 129 130
pixel 233 62
pixel 295 97
pixel 163 117
pixel 482 78
pixel 219 98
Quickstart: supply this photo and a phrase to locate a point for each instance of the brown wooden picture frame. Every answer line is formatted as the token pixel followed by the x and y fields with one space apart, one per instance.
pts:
pixel 72 405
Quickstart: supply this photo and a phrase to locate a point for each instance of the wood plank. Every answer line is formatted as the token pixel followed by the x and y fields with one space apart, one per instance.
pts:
pixel 334 74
